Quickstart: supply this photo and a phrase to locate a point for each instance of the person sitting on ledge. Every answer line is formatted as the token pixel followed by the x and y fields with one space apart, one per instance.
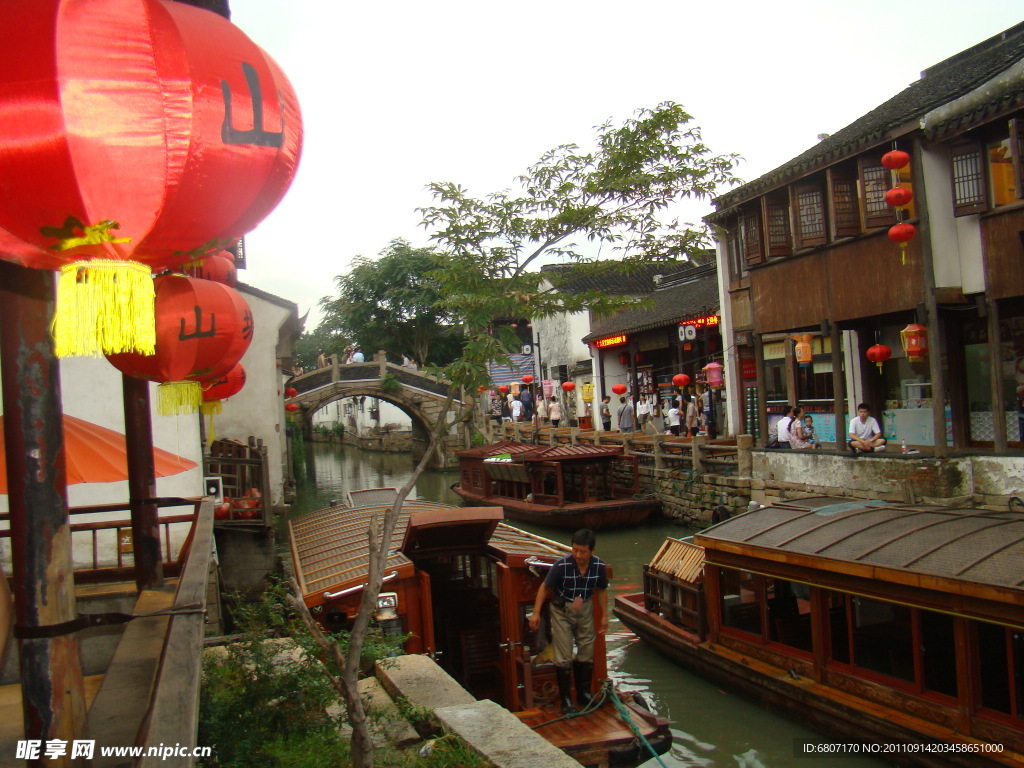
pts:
pixel 865 434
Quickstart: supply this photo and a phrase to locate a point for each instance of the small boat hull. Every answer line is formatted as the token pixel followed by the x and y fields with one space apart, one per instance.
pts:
pixel 599 515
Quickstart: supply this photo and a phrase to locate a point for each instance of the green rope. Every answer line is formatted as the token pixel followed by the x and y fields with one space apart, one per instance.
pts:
pixel 624 714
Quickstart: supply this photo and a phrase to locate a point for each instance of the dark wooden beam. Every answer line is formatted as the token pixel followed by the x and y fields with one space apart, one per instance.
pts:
pixel 53 694
pixel 138 429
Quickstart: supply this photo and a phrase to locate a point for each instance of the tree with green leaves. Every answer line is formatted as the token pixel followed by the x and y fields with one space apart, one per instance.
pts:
pixel 615 195
pixel 392 303
pixel 324 340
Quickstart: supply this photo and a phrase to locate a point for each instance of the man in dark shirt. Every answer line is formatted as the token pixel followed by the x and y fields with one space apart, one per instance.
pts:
pixel 575 584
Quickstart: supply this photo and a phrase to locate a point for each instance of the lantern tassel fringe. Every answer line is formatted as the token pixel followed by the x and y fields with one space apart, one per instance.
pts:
pixel 104 307
pixel 211 408
pixel 178 397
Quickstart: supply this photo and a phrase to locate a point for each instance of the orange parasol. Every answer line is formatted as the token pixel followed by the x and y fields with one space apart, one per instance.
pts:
pixel 95 454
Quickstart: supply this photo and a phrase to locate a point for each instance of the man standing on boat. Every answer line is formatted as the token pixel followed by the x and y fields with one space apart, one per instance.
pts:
pixel 575 583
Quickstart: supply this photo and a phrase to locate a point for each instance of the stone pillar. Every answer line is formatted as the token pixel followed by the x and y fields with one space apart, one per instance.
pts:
pixel 744 457
pixel 659 456
pixel 697 444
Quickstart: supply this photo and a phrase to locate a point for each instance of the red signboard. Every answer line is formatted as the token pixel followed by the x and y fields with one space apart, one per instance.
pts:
pixel 701 322
pixel 611 341
pixel 748 368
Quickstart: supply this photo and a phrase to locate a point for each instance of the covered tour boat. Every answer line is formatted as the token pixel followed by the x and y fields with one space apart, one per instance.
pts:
pixel 898 626
pixel 563 486
pixel 462 583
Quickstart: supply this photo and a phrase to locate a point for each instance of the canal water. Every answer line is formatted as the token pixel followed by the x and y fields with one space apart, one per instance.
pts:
pixel 712 726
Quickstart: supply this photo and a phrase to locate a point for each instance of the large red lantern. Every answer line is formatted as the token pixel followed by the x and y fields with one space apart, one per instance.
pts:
pixel 915 342
pixel 680 380
pixel 203 329
pixel 528 379
pixel 132 132
pixel 895 159
pixel 897 197
pixel 503 389
pixel 878 354
pixel 222 388
pixel 568 386
pixel 219 267
pixel 619 389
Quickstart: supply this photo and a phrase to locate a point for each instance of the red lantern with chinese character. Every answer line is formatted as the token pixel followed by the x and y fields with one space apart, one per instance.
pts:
pixel 203 329
pixel 568 386
pixel 878 354
pixel 619 389
pixel 915 342
pixel 132 132
pixel 527 379
pixel 291 407
pixel 902 232
pixel 680 380
pixel 219 267
pixel 714 375
pixel 804 351
pixel 895 159
pixel 291 392
pixel 897 197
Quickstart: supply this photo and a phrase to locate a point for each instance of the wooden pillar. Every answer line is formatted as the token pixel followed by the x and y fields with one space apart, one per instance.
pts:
pixel 839 385
pixel 995 353
pixel 138 427
pixel 53 697
pixel 762 394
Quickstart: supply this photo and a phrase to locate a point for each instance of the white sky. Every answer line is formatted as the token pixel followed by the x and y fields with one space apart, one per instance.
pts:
pixel 398 94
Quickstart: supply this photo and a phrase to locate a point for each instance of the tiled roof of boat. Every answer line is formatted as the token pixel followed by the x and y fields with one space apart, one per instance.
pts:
pixel 572 452
pixel 966 544
pixel 940 84
pixel 494 449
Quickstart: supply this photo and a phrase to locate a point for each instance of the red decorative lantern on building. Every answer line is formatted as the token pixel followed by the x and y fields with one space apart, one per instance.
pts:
pixel 132 132
pixel 503 389
pixel 898 197
pixel 915 342
pixel 902 232
pixel 291 392
pixel 804 351
pixel 680 380
pixel 202 328
pixel 527 379
pixel 291 407
pixel 227 385
pixel 219 267
pixel 895 159
pixel 623 358
pixel 878 354
pixel 713 371
pixel 568 386
pixel 619 389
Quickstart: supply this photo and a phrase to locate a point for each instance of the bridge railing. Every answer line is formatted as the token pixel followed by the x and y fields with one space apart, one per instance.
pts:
pixel 368 371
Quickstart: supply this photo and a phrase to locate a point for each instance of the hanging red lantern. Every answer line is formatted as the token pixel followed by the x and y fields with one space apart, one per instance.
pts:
pixel 167 132
pixel 203 329
pixel 804 351
pixel 219 267
pixel 623 358
pixel 291 407
pixel 290 392
pixel 713 371
pixel 481 389
pixel 895 159
pixel 568 386
pixel 619 389
pixel 527 379
pixel 898 197
pixel 222 388
pixel 902 232
pixel 680 380
pixel 503 389
pixel 878 354
pixel 915 342
pixel 639 357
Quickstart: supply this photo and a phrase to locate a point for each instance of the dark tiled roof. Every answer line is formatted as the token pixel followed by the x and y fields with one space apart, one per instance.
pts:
pixel 940 84
pixel 693 297
pixel 607 277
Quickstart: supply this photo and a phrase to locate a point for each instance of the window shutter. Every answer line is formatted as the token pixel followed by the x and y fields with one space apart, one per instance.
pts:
pixel 843 198
pixel 752 236
pixel 875 181
pixel 968 169
pixel 775 210
pixel 1017 149
pixel 809 202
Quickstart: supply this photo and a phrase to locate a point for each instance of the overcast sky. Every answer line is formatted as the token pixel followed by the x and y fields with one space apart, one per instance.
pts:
pixel 398 94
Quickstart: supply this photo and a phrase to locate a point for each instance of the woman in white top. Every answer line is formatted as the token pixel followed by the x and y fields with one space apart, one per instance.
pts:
pixel 554 411
pixel 644 413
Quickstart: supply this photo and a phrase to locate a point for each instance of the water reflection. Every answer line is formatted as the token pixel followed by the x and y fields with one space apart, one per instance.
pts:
pixel 713 727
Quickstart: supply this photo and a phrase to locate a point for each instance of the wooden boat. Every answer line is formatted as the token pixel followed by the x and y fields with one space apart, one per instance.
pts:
pixel 896 628
pixel 463 583
pixel 563 486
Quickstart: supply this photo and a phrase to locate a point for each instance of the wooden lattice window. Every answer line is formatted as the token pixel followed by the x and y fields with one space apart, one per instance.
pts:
pixel 776 215
pixel 809 202
pixel 843 197
pixel 875 181
pixel 734 250
pixel 968 167
pixel 752 236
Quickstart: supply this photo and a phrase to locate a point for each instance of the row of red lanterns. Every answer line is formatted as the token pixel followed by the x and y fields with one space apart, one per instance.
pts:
pixel 902 231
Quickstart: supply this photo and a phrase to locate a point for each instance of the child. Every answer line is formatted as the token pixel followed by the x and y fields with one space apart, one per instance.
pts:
pixel 809 431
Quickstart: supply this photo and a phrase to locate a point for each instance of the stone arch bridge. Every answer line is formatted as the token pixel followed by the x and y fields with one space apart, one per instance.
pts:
pixel 420 396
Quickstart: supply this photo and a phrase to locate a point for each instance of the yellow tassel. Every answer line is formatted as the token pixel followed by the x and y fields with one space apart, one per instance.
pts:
pixel 104 307
pixel 210 408
pixel 176 397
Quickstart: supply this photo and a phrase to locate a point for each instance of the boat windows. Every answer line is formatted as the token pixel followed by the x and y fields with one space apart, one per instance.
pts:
pixel 883 638
pixel 1000 668
pixel 741 602
pixel 789 613
pixel 938 652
